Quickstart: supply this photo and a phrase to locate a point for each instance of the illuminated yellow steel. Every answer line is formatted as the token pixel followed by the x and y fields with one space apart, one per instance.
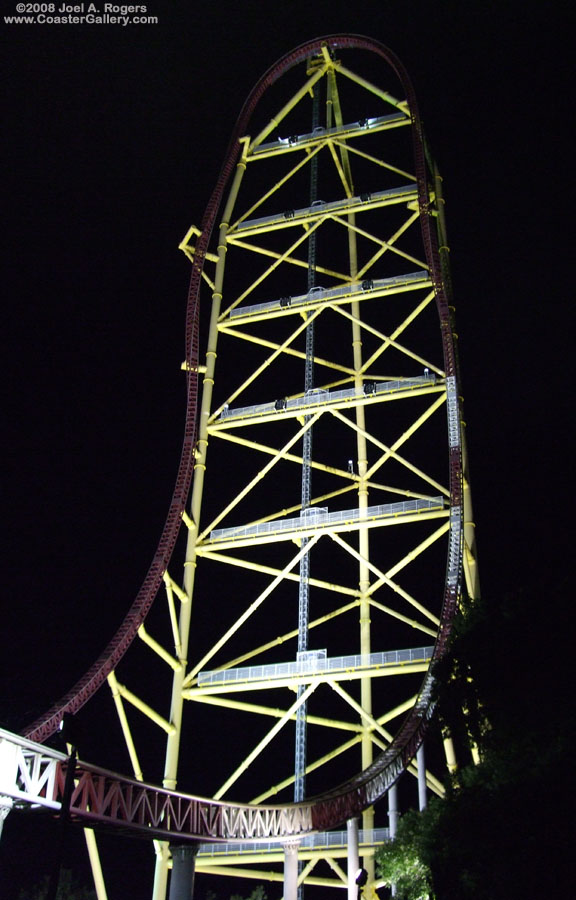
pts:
pixel 384 95
pixel 305 873
pixel 470 564
pixel 292 457
pixel 394 614
pixel 339 137
pixel 286 350
pixel 187 247
pixel 290 576
pixel 95 864
pixel 342 748
pixel 386 578
pixel 281 639
pixel 309 530
pixel 126 731
pixel 362 450
pixel 145 708
pixel 272 451
pixel 177 700
pixel 312 766
pixel 250 610
pixel 390 341
pixel 285 258
pixel 160 651
pixel 326 406
pixel 337 869
pixel 258 478
pixel 265 741
pixel 270 359
pixel 302 240
pixel 355 151
pixel 375 292
pixel 368 720
pixel 319 217
pixel 288 107
pixel 230 703
pixel 248 213
pixel 390 452
pixel 292 681
pixel 265 875
pixel 175 588
pixel 172 613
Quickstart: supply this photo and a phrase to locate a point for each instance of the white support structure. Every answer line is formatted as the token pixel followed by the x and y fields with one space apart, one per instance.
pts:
pixel 393 814
pixel 291 870
pixel 28 772
pixel 421 764
pixel 393 817
pixel 353 858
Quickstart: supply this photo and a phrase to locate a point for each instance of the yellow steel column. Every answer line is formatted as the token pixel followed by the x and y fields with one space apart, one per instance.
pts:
pixel 173 742
pixel 363 546
pixel 362 453
pixel 95 864
pixel 470 562
pixel 364 552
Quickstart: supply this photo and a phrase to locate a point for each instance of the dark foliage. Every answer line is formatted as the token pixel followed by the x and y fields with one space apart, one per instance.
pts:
pixel 69 888
pixel 505 829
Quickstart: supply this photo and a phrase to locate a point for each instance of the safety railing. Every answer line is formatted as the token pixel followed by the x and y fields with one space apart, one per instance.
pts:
pixel 318 664
pixel 363 126
pixel 320 397
pixel 401 194
pixel 368 286
pixel 319 517
pixel 328 839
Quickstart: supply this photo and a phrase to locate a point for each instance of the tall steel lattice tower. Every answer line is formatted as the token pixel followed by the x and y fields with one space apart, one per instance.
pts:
pixel 328 525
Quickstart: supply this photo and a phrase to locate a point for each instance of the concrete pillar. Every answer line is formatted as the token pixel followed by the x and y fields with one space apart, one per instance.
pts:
pixel 290 870
pixel 183 865
pixel 421 762
pixel 393 814
pixel 353 858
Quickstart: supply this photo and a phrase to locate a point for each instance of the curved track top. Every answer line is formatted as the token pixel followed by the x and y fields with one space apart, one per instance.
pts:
pixel 352 797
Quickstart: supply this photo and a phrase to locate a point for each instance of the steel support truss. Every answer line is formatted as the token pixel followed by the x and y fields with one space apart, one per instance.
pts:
pixel 388 529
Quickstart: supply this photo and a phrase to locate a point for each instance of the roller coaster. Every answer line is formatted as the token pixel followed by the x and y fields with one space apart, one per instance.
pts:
pixel 322 493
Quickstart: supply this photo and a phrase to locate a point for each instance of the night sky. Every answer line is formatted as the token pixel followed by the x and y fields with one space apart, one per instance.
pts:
pixel 113 138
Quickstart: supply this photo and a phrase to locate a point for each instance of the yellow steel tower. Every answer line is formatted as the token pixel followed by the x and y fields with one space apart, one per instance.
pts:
pixel 329 515
pixel 321 230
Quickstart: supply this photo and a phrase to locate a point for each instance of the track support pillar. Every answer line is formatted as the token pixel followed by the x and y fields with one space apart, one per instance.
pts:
pixel 393 814
pixel 353 858
pixel 290 870
pixel 421 763
pixel 183 866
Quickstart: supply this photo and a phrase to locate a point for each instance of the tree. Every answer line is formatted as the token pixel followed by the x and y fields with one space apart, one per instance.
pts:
pixel 504 829
pixel 400 862
pixel 257 894
pixel 69 888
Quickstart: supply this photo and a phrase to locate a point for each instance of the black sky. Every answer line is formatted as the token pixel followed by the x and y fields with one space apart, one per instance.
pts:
pixel 113 138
